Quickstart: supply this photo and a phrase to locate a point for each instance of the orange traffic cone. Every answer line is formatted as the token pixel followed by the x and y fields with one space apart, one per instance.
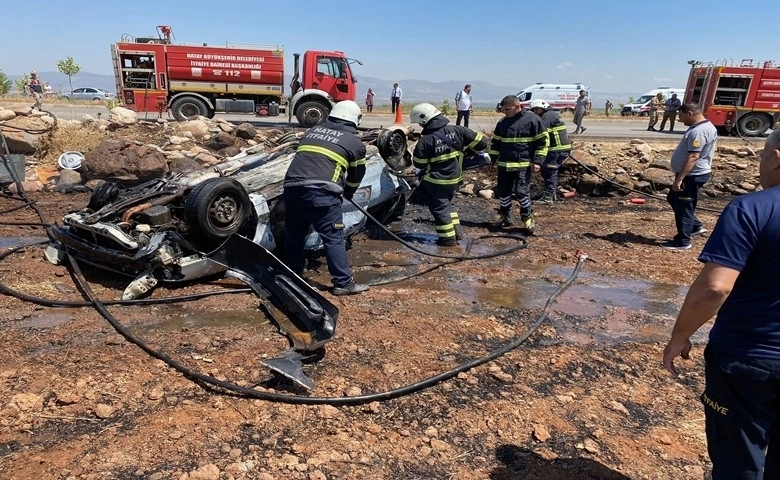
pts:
pixel 398 115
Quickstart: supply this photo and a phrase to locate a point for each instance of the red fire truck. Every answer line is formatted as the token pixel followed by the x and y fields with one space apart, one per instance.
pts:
pixel 155 75
pixel 745 96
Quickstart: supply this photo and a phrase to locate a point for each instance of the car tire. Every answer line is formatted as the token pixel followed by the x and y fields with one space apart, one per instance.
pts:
pixel 103 195
pixel 184 108
pixel 392 146
pixel 216 209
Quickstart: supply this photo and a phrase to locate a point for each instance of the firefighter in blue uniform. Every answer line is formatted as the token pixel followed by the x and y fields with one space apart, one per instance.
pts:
pixel 329 164
pixel 439 156
pixel 519 146
pixel 557 151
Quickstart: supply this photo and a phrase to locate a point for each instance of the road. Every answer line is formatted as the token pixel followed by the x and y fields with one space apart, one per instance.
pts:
pixel 618 127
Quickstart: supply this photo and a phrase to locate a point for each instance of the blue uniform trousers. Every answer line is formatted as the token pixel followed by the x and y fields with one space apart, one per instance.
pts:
pixel 310 206
pixel 742 409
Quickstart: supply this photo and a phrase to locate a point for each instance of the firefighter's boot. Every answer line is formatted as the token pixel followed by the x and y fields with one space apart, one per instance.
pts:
pixel 447 242
pixel 503 219
pixel 528 223
pixel 458 232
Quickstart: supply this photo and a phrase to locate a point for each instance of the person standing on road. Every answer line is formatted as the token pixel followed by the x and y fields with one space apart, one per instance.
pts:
pixel 739 282
pixel 330 162
pixel 395 97
pixel 692 167
pixel 579 111
pixel 557 150
pixel 464 106
pixel 439 156
pixel 370 100
pixel 608 108
pixel 656 105
pixel 519 146
pixel 670 112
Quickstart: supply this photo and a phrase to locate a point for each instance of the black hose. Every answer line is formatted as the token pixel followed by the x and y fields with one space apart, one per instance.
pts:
pixel 522 239
pixel 645 194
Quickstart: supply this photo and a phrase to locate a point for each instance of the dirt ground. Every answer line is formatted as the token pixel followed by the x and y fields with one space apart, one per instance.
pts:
pixel 585 397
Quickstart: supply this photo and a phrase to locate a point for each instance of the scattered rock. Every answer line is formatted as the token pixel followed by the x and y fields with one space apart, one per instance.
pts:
pixel 541 433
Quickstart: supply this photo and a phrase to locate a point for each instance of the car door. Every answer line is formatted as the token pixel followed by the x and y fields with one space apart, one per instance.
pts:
pixel 78 94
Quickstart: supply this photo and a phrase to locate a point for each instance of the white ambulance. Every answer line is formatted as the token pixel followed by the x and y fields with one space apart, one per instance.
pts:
pixel 641 106
pixel 560 96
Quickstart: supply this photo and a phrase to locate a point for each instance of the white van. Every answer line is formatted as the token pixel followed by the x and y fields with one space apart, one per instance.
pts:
pixel 560 96
pixel 641 106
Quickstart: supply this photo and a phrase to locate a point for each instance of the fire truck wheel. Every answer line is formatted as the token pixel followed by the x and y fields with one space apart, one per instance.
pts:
pixel 310 114
pixel 753 124
pixel 215 209
pixel 183 108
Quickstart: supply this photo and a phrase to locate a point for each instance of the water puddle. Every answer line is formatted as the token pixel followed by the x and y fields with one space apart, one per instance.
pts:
pixel 594 309
pixel 49 320
pixel 12 242
pixel 179 317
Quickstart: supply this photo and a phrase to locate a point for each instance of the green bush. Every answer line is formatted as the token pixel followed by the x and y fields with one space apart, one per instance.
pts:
pixel 5 83
pixel 445 107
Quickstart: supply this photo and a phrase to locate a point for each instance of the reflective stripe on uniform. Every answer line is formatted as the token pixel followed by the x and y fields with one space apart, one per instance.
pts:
pixel 555 139
pixel 341 163
pixel 477 139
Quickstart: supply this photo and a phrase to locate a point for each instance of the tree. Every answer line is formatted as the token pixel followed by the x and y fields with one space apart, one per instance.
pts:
pixel 69 68
pixel 5 83
pixel 21 82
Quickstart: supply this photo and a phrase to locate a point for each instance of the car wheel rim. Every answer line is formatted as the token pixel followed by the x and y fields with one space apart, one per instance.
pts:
pixel 224 212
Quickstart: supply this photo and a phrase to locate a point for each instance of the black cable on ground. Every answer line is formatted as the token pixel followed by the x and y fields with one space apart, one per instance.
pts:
pixel 522 239
pixel 630 189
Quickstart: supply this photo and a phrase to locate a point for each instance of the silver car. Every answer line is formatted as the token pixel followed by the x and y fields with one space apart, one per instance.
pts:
pixel 89 93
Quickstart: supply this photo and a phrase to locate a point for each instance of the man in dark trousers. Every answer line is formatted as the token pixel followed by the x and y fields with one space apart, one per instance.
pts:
pixel 692 166
pixel 557 151
pixel 395 97
pixel 519 146
pixel 740 283
pixel 439 156
pixel 670 112
pixel 330 162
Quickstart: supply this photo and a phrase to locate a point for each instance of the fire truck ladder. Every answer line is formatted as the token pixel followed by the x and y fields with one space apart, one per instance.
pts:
pixel 117 73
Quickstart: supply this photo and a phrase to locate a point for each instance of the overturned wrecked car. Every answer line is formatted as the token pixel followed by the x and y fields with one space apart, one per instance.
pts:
pixel 226 219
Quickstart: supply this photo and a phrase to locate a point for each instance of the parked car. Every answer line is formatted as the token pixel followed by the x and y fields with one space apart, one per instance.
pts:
pixel 88 93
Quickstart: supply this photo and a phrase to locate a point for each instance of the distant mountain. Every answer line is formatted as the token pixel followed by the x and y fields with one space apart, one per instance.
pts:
pixel 485 94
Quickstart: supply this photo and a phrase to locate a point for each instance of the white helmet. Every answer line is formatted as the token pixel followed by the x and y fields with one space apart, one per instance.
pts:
pixel 423 113
pixel 539 103
pixel 347 110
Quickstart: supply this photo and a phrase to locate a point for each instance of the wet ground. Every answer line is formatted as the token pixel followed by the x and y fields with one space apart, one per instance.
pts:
pixel 584 398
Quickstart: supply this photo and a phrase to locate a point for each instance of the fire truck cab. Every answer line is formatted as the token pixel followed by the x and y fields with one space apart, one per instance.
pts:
pixel 745 96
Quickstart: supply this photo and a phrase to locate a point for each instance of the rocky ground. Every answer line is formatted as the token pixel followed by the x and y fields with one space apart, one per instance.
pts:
pixel 584 397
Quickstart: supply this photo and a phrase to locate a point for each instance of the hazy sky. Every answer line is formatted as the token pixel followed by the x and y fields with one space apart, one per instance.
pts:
pixel 610 45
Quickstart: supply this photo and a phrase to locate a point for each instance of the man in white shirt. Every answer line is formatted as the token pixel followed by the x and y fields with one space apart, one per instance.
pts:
pixel 395 97
pixel 463 104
